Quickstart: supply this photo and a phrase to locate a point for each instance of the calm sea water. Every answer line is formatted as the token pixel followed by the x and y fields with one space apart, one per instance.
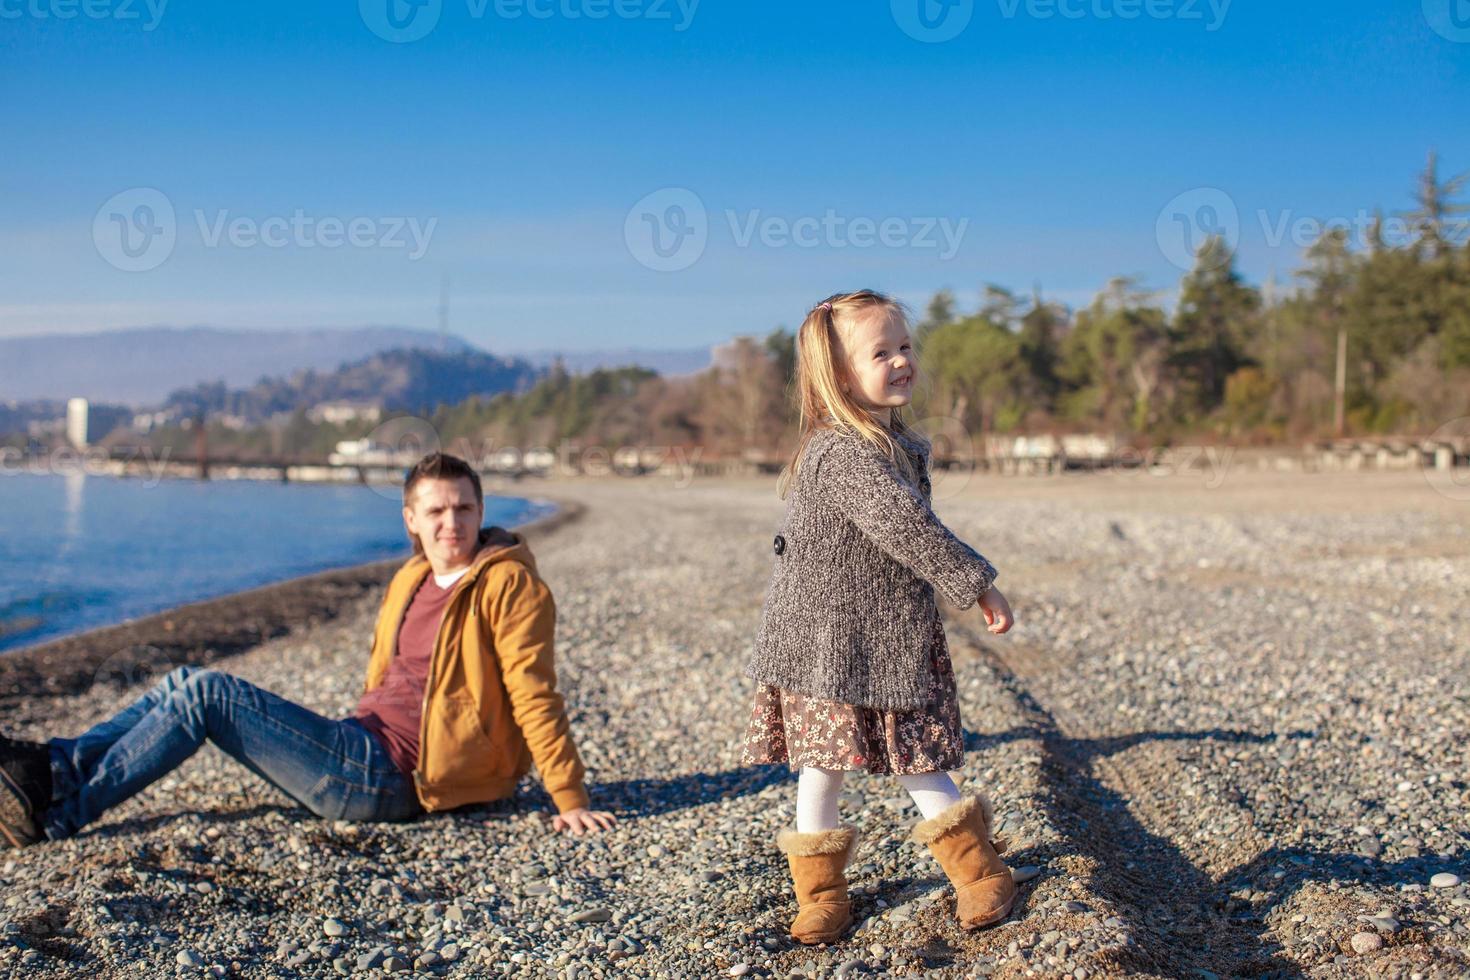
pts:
pixel 82 551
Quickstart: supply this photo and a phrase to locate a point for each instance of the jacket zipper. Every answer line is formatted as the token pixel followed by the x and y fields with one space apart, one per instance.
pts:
pixel 418 771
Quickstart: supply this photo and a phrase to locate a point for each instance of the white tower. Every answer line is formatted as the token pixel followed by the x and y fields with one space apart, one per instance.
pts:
pixel 77 412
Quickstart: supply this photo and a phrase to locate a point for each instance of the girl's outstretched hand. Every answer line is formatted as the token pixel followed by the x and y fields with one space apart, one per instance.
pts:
pixel 581 820
pixel 997 611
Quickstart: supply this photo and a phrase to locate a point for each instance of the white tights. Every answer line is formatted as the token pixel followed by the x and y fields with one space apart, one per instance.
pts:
pixel 817 789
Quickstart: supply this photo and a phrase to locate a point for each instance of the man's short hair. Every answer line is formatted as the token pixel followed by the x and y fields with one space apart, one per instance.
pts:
pixel 441 466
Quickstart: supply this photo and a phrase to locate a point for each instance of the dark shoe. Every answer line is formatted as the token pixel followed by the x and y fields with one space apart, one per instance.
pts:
pixel 25 790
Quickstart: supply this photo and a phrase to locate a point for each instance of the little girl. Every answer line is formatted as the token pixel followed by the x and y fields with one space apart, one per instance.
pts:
pixel 851 658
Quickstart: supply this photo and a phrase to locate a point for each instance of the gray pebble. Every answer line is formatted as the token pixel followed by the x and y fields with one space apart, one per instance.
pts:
pixel 372 958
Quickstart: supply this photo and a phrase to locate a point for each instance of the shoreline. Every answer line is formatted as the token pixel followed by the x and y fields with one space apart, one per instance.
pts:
pixel 209 630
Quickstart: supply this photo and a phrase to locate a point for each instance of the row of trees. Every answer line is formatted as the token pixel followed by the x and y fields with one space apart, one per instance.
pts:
pixel 1369 337
pixel 1392 322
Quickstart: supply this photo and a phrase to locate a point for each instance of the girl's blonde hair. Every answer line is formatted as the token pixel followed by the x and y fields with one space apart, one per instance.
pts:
pixel 820 399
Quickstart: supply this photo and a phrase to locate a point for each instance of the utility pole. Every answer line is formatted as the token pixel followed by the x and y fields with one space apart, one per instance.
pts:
pixel 1338 421
pixel 201 445
pixel 444 314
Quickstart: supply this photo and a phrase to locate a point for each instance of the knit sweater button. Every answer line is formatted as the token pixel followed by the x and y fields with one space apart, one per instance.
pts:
pixel 780 544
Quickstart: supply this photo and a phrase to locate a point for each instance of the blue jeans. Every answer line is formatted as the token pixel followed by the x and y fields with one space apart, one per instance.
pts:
pixel 336 769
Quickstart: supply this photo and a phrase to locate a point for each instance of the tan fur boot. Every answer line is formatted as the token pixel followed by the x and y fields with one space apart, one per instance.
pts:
pixel 959 839
pixel 817 863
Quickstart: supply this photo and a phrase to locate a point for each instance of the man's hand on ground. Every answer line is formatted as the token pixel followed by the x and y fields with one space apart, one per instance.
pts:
pixel 581 820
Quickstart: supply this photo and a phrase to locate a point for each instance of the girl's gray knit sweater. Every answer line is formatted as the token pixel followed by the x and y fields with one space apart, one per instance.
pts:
pixel 850 610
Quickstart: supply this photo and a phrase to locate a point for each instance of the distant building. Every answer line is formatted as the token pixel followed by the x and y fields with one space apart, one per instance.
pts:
pixel 78 414
pixel 336 413
pixel 364 452
pixel 235 422
pixel 148 421
pixel 734 355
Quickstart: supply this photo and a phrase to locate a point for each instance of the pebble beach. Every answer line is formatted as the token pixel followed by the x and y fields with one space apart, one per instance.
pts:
pixel 1226 738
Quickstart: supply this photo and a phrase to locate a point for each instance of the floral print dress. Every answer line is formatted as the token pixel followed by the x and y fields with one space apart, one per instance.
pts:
pixel 789 727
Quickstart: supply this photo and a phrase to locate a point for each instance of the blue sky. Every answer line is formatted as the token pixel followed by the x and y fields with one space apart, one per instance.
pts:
pixel 780 151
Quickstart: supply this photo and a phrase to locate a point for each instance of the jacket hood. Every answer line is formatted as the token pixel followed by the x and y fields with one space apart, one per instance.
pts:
pixel 496 545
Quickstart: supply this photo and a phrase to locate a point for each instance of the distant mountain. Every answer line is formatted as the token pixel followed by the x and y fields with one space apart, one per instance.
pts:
pixel 416 381
pixel 670 363
pixel 141 366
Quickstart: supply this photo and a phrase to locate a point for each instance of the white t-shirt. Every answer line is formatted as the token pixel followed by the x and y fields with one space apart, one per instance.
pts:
pixel 445 581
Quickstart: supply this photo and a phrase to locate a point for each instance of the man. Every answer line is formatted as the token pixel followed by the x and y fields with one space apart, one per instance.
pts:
pixel 460 699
